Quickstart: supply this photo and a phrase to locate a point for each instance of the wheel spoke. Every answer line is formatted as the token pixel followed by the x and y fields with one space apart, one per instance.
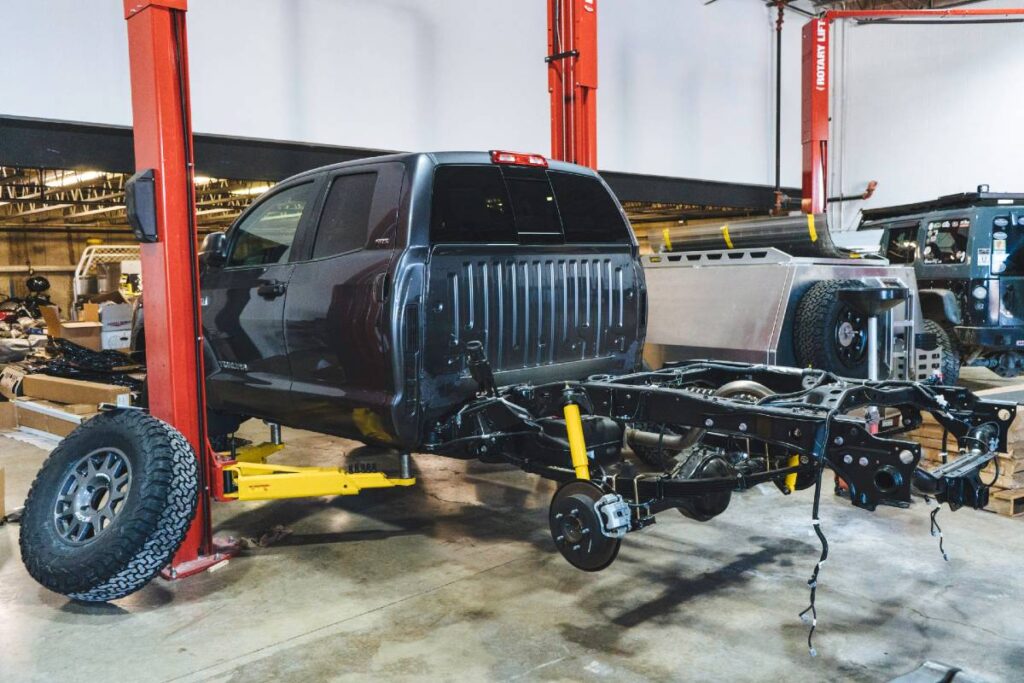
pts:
pixel 101 478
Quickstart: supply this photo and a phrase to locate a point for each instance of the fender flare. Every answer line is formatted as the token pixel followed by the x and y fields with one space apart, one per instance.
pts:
pixel 940 305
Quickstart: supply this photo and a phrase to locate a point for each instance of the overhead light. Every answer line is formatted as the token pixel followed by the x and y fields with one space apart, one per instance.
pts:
pixel 202 179
pixel 206 211
pixel 75 178
pixel 251 190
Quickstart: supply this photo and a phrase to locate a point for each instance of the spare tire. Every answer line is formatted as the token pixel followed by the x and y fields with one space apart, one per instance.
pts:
pixel 829 334
pixel 109 507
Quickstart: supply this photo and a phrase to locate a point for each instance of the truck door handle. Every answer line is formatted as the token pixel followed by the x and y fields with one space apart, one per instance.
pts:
pixel 271 289
pixel 380 287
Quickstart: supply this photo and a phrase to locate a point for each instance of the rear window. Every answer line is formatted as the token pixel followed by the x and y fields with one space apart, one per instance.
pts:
pixel 589 214
pixel 512 204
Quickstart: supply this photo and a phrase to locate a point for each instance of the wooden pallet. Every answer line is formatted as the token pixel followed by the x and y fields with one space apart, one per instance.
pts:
pixel 1007 502
pixel 1007 492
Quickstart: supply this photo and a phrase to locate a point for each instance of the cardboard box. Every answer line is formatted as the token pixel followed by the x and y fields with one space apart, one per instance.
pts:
pixel 10 382
pixel 8 416
pixel 116 339
pixel 64 390
pixel 85 334
pixel 112 316
pixel 73 408
pixel 35 415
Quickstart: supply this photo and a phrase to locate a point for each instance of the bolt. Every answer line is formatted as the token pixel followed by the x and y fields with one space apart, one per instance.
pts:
pixel 838 441
pixel 847 458
pixel 1003 414
pixel 576 547
pixel 743 426
pixel 797 433
pixel 560 539
pixel 906 457
pixel 574 512
pixel 559 515
pixel 863 462
pixel 585 531
pixel 709 422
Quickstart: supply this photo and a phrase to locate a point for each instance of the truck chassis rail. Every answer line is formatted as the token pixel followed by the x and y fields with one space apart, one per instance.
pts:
pixel 774 424
pixel 810 413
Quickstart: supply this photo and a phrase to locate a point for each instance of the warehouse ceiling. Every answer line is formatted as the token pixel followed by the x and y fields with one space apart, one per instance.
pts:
pixel 70 176
pixel 39 199
pixel 60 198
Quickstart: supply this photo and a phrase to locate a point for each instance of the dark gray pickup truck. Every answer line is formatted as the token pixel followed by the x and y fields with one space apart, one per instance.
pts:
pixel 344 299
pixel 476 305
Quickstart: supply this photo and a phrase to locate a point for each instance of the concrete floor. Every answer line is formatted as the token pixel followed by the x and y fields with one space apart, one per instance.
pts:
pixel 457 579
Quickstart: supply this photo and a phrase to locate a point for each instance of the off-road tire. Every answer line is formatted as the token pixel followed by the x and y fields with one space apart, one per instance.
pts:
pixel 145 533
pixel 950 363
pixel 818 315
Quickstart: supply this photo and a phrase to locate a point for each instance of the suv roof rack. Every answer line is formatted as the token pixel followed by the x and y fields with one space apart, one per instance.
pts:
pixel 950 201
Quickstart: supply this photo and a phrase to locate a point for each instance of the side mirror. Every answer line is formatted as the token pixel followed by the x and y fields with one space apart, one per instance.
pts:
pixel 213 250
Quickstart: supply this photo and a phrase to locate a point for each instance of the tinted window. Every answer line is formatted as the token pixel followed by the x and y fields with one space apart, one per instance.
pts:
pixel 533 206
pixel 946 241
pixel 589 214
pixel 471 204
pixel 481 204
pixel 345 221
pixel 265 236
pixel 901 246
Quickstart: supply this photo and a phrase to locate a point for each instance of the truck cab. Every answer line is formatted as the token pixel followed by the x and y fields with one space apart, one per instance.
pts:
pixel 343 300
pixel 968 253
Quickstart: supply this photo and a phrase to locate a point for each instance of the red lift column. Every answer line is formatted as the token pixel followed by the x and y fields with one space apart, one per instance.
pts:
pixel 158 57
pixel 572 80
pixel 814 116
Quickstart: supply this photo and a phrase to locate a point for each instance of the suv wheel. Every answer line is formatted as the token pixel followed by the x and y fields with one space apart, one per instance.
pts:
pixel 950 362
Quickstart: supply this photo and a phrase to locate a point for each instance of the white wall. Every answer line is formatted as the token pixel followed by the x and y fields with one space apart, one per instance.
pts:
pixel 926 111
pixel 685 89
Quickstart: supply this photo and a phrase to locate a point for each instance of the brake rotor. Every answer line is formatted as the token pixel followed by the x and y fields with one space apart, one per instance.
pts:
pixel 576 527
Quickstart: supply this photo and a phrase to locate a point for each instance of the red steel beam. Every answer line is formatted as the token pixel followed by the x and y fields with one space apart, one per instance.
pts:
pixel 816 86
pixel 158 58
pixel 814 115
pixel 572 80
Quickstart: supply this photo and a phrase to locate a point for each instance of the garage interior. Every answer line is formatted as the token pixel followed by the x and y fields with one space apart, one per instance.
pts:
pixel 774 218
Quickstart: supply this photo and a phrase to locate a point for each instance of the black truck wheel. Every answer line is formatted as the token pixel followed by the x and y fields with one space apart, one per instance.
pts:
pixel 828 334
pixel 109 507
pixel 950 362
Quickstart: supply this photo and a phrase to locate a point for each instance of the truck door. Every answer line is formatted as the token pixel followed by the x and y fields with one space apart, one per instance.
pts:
pixel 243 304
pixel 336 315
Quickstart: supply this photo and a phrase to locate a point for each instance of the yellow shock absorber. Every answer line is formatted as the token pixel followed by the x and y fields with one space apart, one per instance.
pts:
pixel 577 444
pixel 794 460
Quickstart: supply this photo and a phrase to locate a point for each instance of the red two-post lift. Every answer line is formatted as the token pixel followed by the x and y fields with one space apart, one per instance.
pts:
pixel 816 86
pixel 162 123
pixel 572 80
